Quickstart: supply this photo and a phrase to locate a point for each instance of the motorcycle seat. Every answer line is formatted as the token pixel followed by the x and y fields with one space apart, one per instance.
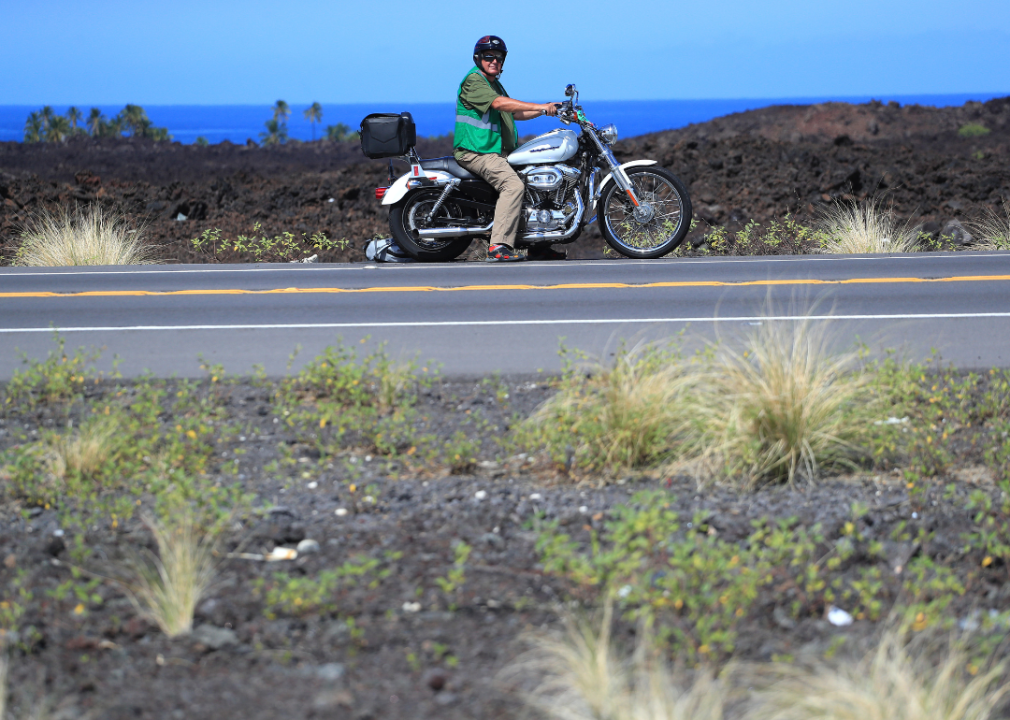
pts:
pixel 448 164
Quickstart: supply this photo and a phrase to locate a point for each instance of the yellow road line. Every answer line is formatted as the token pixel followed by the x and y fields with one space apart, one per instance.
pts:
pixel 500 288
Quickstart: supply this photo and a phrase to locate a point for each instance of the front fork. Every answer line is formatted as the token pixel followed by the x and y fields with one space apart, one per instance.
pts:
pixel 643 211
pixel 620 177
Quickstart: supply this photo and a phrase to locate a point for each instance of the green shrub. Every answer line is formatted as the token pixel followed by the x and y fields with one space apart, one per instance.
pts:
pixel 59 379
pixel 972 130
pixel 339 400
pixel 785 235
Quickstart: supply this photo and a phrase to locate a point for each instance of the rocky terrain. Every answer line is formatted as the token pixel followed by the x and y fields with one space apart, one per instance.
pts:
pixel 752 166
pixel 403 586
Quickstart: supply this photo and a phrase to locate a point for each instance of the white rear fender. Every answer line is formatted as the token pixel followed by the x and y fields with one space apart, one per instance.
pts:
pixel 610 179
pixel 407 182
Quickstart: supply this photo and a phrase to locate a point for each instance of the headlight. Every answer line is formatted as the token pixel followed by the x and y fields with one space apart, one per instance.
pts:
pixel 608 133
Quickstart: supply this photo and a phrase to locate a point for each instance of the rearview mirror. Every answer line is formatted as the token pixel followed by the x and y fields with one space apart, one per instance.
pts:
pixel 569 91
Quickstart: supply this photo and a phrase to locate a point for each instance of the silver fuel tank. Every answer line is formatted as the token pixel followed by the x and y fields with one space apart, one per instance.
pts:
pixel 553 147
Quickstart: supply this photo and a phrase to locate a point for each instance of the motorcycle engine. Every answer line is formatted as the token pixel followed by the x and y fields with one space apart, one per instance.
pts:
pixel 548 201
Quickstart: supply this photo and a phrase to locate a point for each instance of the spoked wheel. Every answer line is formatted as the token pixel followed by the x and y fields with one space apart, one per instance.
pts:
pixel 411 214
pixel 658 225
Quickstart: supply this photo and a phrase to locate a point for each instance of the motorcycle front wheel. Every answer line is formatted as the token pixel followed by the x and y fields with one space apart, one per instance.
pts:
pixel 656 231
pixel 411 214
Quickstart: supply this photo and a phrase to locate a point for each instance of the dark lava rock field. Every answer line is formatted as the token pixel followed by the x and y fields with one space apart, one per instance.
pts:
pixel 752 166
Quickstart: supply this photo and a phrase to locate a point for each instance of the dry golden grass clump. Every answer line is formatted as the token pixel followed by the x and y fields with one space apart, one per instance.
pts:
pixel 83 452
pixel 866 228
pixel 90 236
pixel 992 232
pixel 888 684
pixel 582 677
pixel 167 587
pixel 24 703
pixel 613 418
pixel 778 407
pixel 3 680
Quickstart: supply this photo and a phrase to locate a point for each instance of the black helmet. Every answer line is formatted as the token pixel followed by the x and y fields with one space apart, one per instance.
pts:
pixel 489 42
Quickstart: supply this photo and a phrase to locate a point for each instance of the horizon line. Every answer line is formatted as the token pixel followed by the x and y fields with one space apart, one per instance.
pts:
pixel 836 98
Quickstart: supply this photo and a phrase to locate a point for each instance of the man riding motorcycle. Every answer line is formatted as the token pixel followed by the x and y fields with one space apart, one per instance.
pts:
pixel 484 136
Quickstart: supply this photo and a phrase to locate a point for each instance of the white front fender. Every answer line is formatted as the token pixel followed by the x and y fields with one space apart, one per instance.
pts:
pixel 610 178
pixel 396 191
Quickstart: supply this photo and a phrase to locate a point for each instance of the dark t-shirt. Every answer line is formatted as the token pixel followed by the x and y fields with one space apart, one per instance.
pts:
pixel 478 93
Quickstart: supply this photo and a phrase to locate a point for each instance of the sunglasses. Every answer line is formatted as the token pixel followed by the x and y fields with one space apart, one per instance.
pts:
pixel 492 57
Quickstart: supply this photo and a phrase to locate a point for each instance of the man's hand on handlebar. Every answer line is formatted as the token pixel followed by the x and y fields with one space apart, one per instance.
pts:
pixel 551 108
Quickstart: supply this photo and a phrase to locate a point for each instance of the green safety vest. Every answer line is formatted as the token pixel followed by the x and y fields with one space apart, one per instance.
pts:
pixel 479 133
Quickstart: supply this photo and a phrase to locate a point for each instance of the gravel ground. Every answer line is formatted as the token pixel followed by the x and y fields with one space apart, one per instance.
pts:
pixel 400 643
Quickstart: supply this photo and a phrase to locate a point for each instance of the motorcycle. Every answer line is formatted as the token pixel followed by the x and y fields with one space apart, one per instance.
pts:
pixel 438 208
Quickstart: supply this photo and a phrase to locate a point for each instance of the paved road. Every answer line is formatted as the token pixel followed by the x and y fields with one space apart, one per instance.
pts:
pixel 476 318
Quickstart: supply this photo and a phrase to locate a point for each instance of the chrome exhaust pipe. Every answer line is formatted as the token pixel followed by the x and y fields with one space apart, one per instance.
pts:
pixel 552 236
pixel 454 232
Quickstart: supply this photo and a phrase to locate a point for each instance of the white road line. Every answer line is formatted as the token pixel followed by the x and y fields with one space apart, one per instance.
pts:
pixel 346 267
pixel 500 323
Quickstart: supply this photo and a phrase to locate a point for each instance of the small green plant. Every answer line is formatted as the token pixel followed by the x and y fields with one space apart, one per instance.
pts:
pixel 461 453
pixel 60 378
pixel 299 596
pixel 201 141
pixel 457 573
pixel 341 399
pixel 973 130
pixel 263 248
pixel 780 235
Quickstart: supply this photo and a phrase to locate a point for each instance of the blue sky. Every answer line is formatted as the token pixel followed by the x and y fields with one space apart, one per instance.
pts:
pixel 226 51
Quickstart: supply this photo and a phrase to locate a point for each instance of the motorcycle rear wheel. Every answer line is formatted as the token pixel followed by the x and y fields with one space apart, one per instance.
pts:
pixel 664 231
pixel 410 214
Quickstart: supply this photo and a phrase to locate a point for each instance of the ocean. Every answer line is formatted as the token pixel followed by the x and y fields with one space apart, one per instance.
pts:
pixel 238 123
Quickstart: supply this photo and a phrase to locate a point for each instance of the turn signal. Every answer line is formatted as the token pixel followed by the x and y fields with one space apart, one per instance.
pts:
pixel 379 192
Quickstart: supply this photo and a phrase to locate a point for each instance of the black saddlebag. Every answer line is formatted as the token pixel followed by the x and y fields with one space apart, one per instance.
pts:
pixel 384 135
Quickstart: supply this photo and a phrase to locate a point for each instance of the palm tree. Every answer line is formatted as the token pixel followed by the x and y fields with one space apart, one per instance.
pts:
pixel 276 134
pixel 58 130
pixel 114 127
pixel 281 111
pixel 314 114
pixel 95 122
pixel 34 128
pixel 47 116
pixel 337 133
pixel 135 118
pixel 73 117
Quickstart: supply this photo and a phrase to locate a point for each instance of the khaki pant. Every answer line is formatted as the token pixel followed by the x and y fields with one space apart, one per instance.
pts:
pixel 500 175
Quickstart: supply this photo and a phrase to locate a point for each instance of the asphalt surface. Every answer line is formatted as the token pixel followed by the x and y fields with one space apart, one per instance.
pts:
pixel 474 319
